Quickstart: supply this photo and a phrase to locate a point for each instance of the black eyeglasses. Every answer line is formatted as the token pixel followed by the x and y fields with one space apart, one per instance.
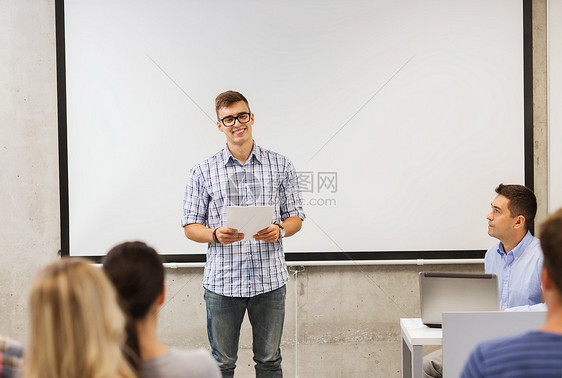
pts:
pixel 231 120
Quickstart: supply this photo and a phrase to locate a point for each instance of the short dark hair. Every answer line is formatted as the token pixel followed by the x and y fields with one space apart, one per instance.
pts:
pixel 550 236
pixel 228 98
pixel 522 201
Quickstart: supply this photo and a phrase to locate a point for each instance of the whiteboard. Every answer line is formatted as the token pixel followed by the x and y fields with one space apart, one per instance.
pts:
pixel 401 117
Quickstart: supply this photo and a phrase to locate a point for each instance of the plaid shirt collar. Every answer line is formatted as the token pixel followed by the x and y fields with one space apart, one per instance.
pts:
pixel 229 160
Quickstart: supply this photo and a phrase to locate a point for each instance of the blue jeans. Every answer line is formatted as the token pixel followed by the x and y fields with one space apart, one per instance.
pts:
pixel 224 319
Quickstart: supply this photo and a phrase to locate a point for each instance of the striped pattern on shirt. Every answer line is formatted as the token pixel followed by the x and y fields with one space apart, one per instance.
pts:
pixel 533 354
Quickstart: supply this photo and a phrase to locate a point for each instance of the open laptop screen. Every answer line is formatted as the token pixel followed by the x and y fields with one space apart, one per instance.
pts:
pixel 450 292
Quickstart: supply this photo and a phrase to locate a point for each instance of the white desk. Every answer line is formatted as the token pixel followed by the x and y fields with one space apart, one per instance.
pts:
pixel 414 336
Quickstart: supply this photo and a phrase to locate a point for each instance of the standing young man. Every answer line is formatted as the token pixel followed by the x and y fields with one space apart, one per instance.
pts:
pixel 243 275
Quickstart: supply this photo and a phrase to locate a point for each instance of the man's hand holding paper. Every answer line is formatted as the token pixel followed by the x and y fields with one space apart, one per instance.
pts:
pixel 269 234
pixel 226 235
pixel 252 221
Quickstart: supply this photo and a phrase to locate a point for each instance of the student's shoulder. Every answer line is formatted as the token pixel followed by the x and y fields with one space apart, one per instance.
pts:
pixel 505 345
pixel 181 363
pixel 272 156
pixel 211 161
pixel 489 353
pixel 191 353
pixel 219 156
pixel 533 251
pixel 10 346
pixel 539 347
pixel 535 243
pixel 200 362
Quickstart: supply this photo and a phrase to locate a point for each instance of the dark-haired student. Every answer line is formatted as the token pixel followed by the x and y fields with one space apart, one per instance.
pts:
pixel 516 258
pixel 137 272
pixel 536 353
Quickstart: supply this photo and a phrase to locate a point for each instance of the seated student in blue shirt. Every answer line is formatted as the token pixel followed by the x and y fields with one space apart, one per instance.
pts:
pixel 536 353
pixel 516 258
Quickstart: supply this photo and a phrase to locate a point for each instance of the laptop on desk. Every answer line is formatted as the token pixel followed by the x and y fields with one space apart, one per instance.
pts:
pixel 452 292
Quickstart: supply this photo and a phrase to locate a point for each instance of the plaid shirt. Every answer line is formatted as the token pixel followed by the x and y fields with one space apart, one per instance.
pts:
pixel 10 358
pixel 246 268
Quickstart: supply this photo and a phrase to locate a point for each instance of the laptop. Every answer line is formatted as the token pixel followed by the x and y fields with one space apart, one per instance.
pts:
pixel 452 292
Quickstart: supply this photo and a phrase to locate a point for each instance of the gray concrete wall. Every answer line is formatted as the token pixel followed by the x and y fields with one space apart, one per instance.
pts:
pixel 341 321
pixel 29 203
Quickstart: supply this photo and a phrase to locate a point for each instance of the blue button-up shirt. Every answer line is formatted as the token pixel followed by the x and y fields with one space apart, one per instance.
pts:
pixel 518 271
pixel 245 268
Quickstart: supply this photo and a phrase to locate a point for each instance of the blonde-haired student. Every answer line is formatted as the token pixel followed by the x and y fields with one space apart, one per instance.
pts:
pixel 77 326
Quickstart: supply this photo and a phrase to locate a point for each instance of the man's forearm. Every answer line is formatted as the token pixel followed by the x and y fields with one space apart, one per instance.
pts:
pixel 201 234
pixel 198 233
pixel 292 225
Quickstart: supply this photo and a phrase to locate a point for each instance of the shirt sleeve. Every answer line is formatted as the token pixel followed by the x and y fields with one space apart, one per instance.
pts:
pixel 290 196
pixel 196 200
pixel 535 307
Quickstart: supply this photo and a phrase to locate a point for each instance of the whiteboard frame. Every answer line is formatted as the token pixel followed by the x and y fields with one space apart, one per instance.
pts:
pixel 365 257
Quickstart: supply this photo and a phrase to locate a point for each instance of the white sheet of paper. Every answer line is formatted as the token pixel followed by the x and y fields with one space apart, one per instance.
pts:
pixel 249 219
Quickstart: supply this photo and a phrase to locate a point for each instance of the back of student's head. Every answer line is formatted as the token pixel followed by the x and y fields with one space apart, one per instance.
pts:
pixel 77 326
pixel 522 201
pixel 550 236
pixel 137 273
